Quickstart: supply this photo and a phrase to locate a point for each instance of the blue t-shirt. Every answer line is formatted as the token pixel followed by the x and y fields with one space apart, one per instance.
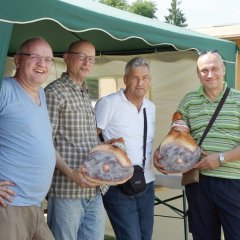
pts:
pixel 27 155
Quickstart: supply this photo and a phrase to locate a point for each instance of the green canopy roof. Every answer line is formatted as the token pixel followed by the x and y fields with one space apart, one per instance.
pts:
pixel 111 30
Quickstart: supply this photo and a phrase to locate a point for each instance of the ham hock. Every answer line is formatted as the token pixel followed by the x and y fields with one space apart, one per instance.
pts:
pixel 109 164
pixel 178 150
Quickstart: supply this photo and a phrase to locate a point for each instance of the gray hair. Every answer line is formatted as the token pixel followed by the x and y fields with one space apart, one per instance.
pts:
pixel 136 62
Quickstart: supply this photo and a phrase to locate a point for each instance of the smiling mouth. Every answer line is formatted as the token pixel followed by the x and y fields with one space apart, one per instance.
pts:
pixel 39 71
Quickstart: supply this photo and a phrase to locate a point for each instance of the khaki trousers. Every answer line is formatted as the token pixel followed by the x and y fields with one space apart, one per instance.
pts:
pixel 23 223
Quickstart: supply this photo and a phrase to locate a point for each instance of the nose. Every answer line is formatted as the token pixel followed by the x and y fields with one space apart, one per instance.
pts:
pixel 141 80
pixel 41 60
pixel 210 74
pixel 44 61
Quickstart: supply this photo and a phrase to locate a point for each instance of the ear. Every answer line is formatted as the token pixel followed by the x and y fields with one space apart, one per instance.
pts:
pixel 125 79
pixel 17 60
pixel 224 70
pixel 65 57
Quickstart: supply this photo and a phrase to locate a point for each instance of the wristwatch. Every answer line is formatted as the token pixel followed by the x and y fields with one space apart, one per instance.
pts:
pixel 221 158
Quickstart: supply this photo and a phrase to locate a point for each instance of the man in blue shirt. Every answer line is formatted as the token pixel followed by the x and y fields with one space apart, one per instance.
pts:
pixel 27 155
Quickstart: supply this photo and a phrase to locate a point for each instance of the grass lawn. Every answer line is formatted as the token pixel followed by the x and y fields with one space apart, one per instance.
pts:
pixel 109 238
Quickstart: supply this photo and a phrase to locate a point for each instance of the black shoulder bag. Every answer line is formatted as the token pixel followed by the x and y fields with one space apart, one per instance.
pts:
pixel 192 176
pixel 137 183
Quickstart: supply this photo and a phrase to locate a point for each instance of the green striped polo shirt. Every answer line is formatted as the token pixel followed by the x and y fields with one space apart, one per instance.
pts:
pixel 224 135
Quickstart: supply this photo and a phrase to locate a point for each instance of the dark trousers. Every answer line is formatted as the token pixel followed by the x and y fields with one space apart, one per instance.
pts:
pixel 214 202
pixel 131 216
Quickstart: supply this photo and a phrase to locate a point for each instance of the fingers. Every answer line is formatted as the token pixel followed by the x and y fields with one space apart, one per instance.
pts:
pixel 79 178
pixel 203 153
pixel 87 184
pixel 198 165
pixel 208 163
pixel 163 171
pixel 2 202
pixel 6 182
pixel 6 194
pixel 4 189
pixel 156 160
pixel 160 167
pixel 156 156
pixel 109 141
pixel 82 170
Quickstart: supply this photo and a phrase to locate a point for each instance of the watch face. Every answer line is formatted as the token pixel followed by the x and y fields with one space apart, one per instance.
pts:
pixel 221 157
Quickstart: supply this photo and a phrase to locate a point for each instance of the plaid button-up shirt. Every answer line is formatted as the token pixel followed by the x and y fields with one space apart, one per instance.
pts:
pixel 74 132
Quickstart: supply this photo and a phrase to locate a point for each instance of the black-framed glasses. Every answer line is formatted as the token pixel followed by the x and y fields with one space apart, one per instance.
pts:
pixel 37 58
pixel 83 57
pixel 201 53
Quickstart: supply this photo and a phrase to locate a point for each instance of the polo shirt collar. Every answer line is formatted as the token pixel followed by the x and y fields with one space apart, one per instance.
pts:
pixel 123 97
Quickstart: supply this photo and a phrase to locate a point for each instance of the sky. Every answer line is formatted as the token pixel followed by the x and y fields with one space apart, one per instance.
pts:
pixel 203 13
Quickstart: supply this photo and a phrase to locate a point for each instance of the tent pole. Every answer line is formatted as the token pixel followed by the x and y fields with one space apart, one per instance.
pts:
pixel 5 36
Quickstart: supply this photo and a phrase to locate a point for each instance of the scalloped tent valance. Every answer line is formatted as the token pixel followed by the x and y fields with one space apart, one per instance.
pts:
pixel 111 30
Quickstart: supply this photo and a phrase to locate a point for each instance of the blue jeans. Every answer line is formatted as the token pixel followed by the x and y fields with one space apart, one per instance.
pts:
pixel 76 219
pixel 131 216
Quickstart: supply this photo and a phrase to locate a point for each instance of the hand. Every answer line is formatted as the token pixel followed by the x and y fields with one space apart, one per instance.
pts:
pixel 77 176
pixel 157 165
pixel 6 193
pixel 208 161
pixel 110 141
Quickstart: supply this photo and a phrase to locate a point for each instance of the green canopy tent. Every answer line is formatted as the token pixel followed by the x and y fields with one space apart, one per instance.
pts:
pixel 115 32
pixel 111 30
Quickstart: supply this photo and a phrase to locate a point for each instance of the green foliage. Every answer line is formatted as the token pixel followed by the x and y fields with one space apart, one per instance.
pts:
pixel 145 8
pixel 120 4
pixel 176 17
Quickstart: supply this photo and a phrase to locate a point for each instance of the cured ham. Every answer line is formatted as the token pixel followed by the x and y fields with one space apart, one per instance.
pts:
pixel 109 164
pixel 178 150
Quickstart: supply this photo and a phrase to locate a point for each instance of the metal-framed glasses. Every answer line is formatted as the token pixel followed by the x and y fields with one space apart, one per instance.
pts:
pixel 201 53
pixel 37 58
pixel 83 57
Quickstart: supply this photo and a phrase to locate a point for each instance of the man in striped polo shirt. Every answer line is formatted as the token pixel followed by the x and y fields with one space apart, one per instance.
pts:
pixel 214 201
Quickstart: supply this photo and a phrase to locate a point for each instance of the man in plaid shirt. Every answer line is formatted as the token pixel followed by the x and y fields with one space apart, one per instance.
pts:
pixel 75 208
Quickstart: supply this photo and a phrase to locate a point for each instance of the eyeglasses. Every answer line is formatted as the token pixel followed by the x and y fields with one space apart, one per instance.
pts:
pixel 201 53
pixel 83 58
pixel 37 58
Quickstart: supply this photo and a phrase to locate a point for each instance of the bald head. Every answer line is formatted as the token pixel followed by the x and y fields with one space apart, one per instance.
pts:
pixel 211 73
pixel 26 45
pixel 210 58
pixel 73 47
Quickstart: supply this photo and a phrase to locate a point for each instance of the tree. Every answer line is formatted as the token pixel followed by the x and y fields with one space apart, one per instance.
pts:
pixel 145 8
pixel 176 17
pixel 120 4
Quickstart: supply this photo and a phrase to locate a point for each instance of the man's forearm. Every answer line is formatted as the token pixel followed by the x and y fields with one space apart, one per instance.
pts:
pixel 233 155
pixel 62 166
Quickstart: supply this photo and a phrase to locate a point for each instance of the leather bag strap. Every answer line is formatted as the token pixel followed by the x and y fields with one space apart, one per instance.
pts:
pixel 144 136
pixel 214 116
